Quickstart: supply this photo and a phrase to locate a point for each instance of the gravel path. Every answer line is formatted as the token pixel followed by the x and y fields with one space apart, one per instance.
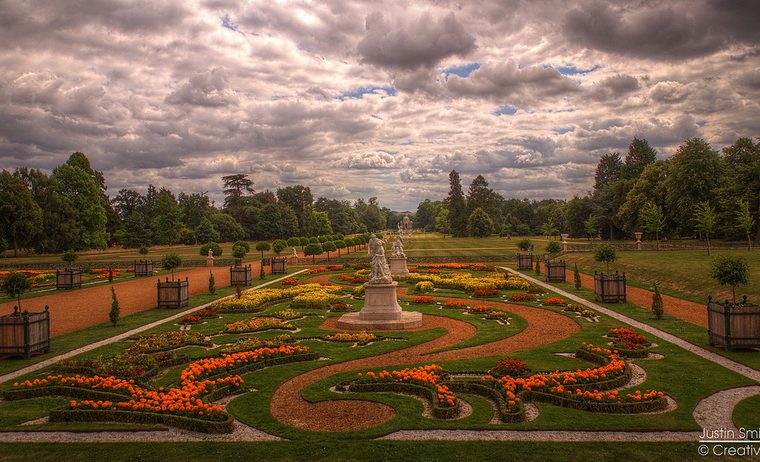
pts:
pixel 125 335
pixel 746 371
pixel 716 411
pixel 540 435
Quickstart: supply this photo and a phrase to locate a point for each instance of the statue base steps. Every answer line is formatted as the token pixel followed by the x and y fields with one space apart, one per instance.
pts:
pixel 381 311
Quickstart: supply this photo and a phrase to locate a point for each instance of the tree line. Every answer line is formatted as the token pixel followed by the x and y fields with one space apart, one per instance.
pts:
pixel 71 210
pixel 697 192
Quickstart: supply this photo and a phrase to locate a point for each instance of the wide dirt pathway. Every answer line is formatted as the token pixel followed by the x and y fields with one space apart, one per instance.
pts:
pixel 694 313
pixel 77 309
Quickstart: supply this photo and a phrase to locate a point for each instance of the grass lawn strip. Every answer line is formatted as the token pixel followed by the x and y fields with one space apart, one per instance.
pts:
pixel 742 369
pixel 122 336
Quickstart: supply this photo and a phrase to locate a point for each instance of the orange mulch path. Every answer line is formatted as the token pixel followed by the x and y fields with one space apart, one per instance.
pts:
pixel 694 313
pixel 81 308
pixel 291 408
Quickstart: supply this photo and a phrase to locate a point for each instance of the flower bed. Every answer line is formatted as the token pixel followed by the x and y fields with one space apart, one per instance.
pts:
pixel 509 366
pixel 361 338
pixel 121 400
pixel 469 283
pixel 206 313
pixel 478 309
pixel 290 282
pixel 423 300
pixel 252 343
pixel 554 301
pixel 340 307
pixel 535 290
pixel 257 325
pixel 581 311
pixel 457 266
pixel 423 381
pixel 353 279
pixel 455 304
pixel 522 298
pixel 628 343
pixel 424 286
pixel 190 319
pixel 122 365
pixel 258 300
pixel 316 299
pixel 485 293
pixel 167 341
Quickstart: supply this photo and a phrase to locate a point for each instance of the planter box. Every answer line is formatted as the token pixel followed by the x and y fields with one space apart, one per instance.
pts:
pixel 240 275
pixel 554 271
pixel 68 279
pixel 524 261
pixel 173 294
pixel 22 334
pixel 143 268
pixel 279 265
pixel 609 288
pixel 733 325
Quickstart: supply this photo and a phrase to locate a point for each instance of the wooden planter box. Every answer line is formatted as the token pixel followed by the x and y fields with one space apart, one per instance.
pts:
pixel 240 275
pixel 144 268
pixel 68 279
pixel 524 261
pixel 266 261
pixel 279 265
pixel 733 325
pixel 609 288
pixel 173 294
pixel 22 334
pixel 554 271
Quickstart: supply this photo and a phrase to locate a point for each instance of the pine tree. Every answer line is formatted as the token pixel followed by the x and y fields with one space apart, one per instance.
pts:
pixel 538 267
pixel 577 278
pixel 657 307
pixel 211 287
pixel 456 206
pixel 114 314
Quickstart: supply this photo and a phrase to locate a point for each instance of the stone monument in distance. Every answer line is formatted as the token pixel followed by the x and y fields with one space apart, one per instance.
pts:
pixel 381 309
pixel 398 258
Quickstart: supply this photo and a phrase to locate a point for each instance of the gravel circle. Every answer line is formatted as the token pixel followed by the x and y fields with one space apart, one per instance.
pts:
pixel 715 412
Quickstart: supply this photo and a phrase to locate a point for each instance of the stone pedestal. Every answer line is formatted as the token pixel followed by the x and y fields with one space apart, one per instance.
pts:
pixel 398 265
pixel 381 311
pixel 209 261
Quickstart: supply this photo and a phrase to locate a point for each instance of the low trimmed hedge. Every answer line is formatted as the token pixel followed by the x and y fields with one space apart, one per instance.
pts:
pixel 59 390
pixel 410 388
pixel 493 395
pixel 583 405
pixel 109 415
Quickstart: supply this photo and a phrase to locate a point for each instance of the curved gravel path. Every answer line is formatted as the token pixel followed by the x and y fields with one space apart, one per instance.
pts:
pixel 291 408
pixel 716 411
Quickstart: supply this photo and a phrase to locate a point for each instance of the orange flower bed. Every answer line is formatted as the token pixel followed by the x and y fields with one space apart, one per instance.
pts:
pixel 184 401
pixel 290 282
pixel 455 304
pixel 485 292
pixel 458 266
pixel 316 270
pixel 554 301
pixel 422 300
pixel 522 298
pixel 479 309
pixel 427 376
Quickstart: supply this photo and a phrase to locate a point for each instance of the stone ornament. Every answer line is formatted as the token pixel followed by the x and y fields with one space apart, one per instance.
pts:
pixel 398 247
pixel 381 273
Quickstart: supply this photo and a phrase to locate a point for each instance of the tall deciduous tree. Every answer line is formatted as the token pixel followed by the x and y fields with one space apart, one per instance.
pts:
pixel 299 198
pixel 206 231
pixel 744 221
pixel 167 219
pixel 649 187
pixel 693 176
pixel 83 191
pixel 705 221
pixel 640 155
pixel 229 229
pixel 20 216
pixel 456 205
pixel 652 220
pixel 741 180
pixel 479 224
pixel 609 190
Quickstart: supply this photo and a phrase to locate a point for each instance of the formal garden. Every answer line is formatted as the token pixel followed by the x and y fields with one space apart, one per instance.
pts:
pixel 498 353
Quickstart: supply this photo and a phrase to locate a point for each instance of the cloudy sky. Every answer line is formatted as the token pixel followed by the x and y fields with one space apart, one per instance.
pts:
pixel 376 98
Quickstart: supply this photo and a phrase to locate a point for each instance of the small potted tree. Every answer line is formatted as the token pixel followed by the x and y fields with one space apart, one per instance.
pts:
pixel 608 288
pixel 554 271
pixel 525 260
pixel 23 333
pixel 732 324
pixel 279 265
pixel 15 285
pixel 70 278
pixel 172 294
pixel 239 274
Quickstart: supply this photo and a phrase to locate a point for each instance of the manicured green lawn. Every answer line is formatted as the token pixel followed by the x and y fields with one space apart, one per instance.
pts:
pixel 386 451
pixel 746 414
pixel 685 272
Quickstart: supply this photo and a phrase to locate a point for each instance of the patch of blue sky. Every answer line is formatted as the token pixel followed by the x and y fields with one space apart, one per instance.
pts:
pixel 361 91
pixel 572 70
pixel 563 130
pixel 463 71
pixel 506 110
pixel 228 24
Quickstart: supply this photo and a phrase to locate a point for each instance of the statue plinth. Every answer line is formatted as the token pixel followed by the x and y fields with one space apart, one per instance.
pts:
pixel 209 261
pixel 398 265
pixel 380 311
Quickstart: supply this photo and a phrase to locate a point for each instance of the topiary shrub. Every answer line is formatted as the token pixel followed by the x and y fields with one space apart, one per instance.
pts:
pixel 605 253
pixel 730 270
pixel 15 285
pixel 657 306
pixel 170 262
pixel 524 245
pixel 553 247
pixel 216 249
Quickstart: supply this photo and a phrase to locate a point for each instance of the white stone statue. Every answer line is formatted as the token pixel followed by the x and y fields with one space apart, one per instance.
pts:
pixel 398 247
pixel 295 252
pixel 381 273
pixel 210 254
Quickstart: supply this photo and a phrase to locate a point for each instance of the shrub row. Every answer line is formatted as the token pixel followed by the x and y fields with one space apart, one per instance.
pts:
pixel 493 395
pixel 58 390
pixel 109 415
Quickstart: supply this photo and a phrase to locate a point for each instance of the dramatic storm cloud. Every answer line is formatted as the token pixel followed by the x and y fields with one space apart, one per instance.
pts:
pixel 375 98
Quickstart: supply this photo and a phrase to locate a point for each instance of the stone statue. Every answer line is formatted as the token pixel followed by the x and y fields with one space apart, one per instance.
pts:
pixel 295 252
pixel 398 247
pixel 381 273
pixel 210 253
